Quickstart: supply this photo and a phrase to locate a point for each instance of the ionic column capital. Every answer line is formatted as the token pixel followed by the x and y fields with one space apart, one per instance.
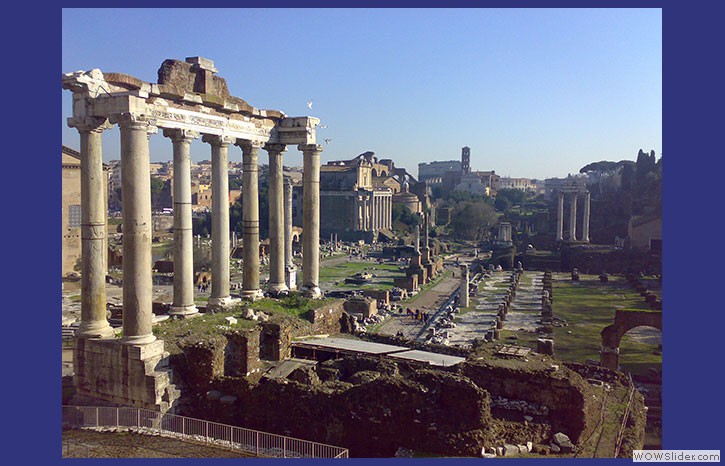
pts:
pixel 275 148
pixel 138 121
pixel 248 146
pixel 183 135
pixel 89 124
pixel 314 148
pixel 217 139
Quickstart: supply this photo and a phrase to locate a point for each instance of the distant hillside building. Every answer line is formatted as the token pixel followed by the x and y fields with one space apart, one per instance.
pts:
pixel 429 170
pixel 356 197
pixel 521 184
pixel 645 231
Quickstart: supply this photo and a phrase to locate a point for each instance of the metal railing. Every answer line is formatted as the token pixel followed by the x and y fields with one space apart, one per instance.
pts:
pixel 620 434
pixel 251 441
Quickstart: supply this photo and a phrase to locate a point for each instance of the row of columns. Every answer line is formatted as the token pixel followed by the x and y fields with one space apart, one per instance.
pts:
pixel 572 217
pixel 374 212
pixel 137 223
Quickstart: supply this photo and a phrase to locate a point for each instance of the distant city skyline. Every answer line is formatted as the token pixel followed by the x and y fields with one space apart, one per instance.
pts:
pixel 535 93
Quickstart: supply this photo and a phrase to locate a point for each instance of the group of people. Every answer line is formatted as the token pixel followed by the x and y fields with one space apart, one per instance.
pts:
pixel 416 314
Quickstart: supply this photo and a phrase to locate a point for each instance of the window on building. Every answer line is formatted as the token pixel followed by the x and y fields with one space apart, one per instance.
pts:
pixel 74 216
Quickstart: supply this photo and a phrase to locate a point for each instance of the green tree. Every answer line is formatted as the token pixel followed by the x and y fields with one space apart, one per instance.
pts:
pixel 403 219
pixel 471 220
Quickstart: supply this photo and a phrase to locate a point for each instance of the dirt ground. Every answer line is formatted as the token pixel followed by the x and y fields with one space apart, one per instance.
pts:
pixel 92 444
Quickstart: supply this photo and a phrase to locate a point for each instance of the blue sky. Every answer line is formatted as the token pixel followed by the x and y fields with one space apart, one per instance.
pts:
pixel 533 92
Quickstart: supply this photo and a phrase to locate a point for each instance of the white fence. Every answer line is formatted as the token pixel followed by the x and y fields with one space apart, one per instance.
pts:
pixel 248 440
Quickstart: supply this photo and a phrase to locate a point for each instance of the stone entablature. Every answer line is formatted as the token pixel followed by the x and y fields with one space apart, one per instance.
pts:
pixel 177 103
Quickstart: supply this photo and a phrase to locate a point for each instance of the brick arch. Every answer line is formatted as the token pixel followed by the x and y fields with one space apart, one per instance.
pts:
pixel 624 321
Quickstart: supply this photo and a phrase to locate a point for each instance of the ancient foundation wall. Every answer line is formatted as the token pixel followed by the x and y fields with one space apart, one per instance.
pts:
pixel 372 413
pixel 563 392
pixel 126 375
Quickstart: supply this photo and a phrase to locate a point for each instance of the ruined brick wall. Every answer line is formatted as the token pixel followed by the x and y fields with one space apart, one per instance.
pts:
pixel 430 411
pixel 361 305
pixel 380 295
pixel 325 319
pixel 241 353
pixel 563 392
pixel 199 363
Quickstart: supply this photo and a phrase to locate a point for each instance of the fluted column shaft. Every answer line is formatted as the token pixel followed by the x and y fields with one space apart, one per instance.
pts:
pixel 93 230
pixel 250 219
pixel 276 219
pixel 220 289
pixel 311 219
pixel 585 220
pixel 183 300
pixel 560 218
pixel 572 217
pixel 137 229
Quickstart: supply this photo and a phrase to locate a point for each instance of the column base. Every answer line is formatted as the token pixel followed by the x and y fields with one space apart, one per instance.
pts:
pixel 252 295
pixel 138 339
pixel 223 302
pixel 95 329
pixel 278 289
pixel 311 292
pixel 183 310
pixel 291 278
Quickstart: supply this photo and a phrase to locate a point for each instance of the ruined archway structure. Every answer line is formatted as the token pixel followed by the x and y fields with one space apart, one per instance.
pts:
pixel 188 101
pixel 624 321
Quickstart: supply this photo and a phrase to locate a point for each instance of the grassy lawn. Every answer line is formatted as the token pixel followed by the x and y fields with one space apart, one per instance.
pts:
pixel 174 330
pixel 209 324
pixel 336 275
pixel 294 305
pixel 588 306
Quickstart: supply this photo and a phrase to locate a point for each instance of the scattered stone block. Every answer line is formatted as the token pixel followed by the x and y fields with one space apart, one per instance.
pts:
pixel 510 450
pixel 560 437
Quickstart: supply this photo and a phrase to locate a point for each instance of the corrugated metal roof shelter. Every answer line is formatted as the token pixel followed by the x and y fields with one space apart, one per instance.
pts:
pixel 323 348
pixel 434 359
pixel 346 344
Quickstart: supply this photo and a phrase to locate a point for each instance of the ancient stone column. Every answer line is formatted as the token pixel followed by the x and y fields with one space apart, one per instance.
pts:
pixel 289 265
pixel 276 219
pixel 93 229
pixel 359 212
pixel 585 220
pixel 136 199
pixel 463 294
pixel 311 219
pixel 250 219
pixel 572 217
pixel 183 301
pixel 365 213
pixel 220 289
pixel 560 218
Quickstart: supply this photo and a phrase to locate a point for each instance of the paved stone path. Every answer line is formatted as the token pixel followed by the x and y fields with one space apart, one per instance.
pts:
pixel 426 301
pixel 526 305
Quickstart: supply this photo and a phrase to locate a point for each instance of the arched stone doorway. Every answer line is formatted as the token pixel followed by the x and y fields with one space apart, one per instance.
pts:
pixel 624 321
